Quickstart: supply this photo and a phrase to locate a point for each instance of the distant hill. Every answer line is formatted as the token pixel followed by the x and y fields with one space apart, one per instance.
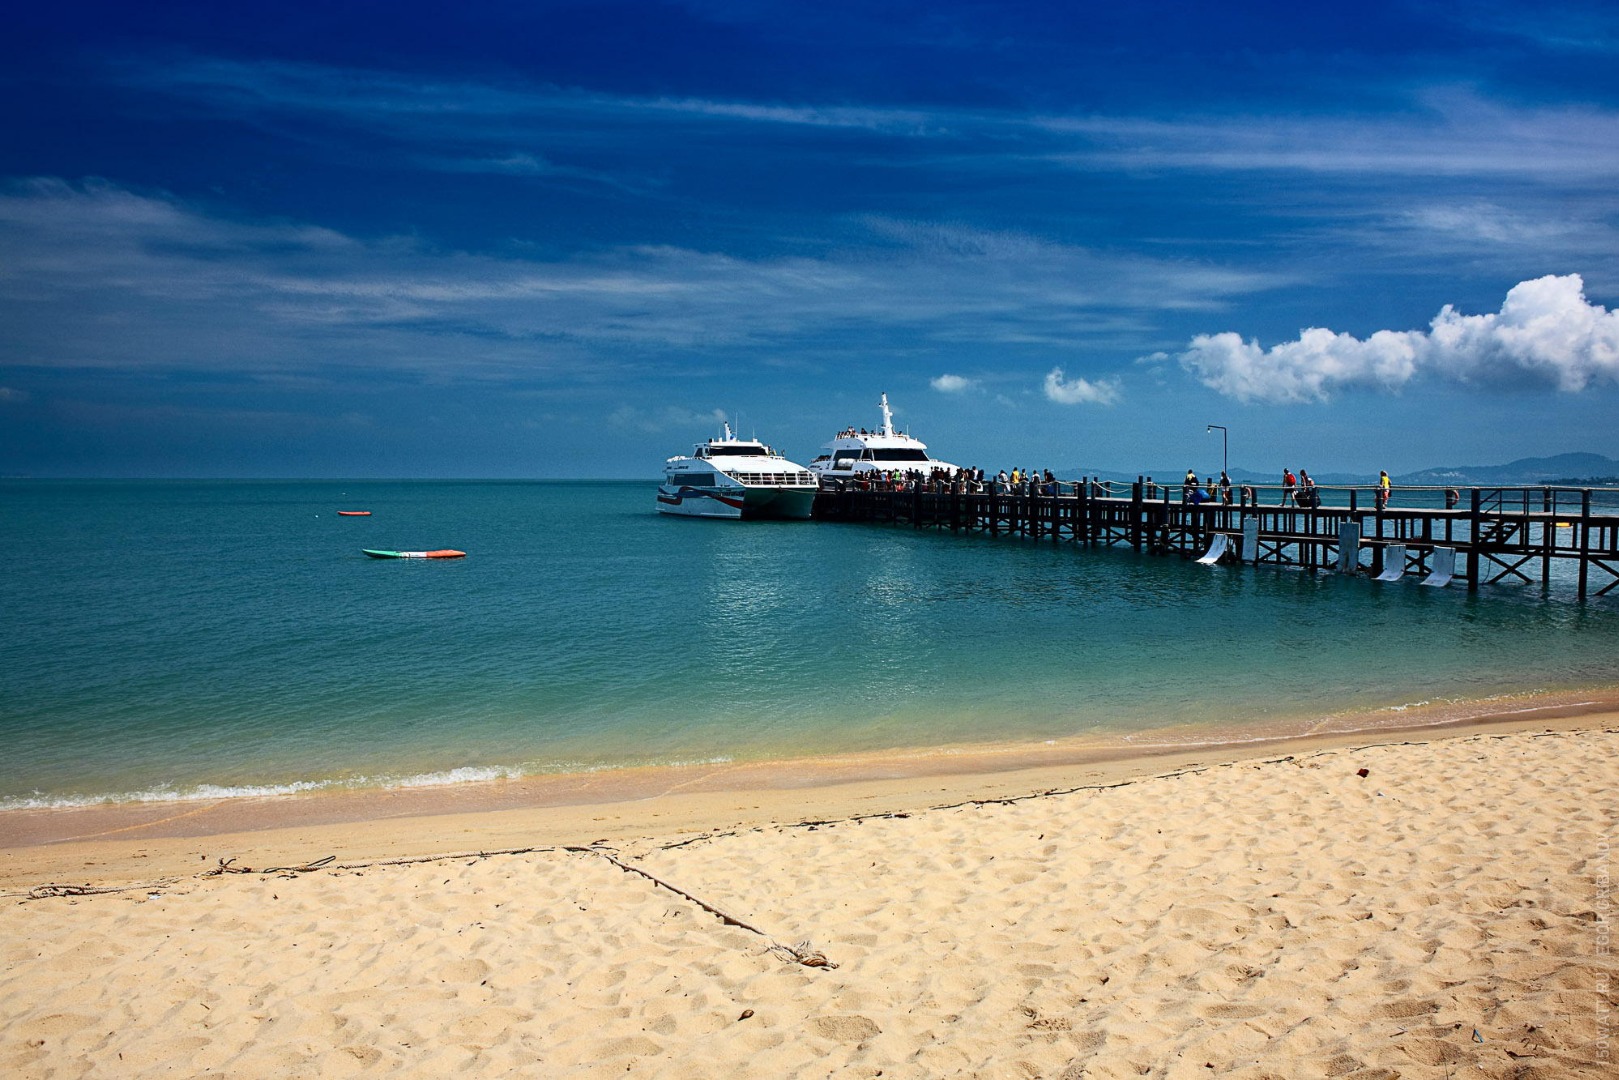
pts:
pixel 1573 469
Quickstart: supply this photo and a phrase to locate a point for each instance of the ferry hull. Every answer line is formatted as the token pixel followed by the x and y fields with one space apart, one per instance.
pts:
pixel 737 503
pixel 696 502
pixel 790 504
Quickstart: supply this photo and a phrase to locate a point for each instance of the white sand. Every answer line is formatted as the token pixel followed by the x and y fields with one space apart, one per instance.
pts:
pixel 1445 916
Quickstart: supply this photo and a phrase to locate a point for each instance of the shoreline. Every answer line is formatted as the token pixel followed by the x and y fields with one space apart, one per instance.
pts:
pixel 108 844
pixel 453 784
pixel 1423 904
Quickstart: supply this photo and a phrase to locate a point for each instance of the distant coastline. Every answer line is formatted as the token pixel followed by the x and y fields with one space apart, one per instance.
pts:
pixel 1578 469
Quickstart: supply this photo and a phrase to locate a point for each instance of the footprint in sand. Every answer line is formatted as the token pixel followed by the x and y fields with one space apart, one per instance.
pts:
pixel 845 1028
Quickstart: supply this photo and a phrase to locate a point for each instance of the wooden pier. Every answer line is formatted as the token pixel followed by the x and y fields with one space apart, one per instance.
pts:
pixel 1481 536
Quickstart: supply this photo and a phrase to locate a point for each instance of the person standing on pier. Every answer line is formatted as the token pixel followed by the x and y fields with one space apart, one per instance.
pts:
pixel 1225 488
pixel 1289 482
pixel 1384 489
pixel 1307 496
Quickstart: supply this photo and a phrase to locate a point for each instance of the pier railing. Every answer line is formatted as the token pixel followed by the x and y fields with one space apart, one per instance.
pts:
pixel 1481 536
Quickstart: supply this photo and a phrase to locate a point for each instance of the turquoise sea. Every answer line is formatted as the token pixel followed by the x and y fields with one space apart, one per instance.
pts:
pixel 192 639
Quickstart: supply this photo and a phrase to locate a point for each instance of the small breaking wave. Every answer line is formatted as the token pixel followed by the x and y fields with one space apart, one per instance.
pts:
pixel 466 774
pixel 216 792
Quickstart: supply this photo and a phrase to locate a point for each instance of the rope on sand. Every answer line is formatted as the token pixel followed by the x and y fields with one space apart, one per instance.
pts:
pixel 304 869
pixel 801 953
pixel 227 866
pixel 42 892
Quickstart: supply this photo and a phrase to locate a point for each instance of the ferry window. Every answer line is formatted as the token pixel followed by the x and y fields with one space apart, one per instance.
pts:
pixel 746 450
pixel 845 459
pixel 900 454
pixel 693 479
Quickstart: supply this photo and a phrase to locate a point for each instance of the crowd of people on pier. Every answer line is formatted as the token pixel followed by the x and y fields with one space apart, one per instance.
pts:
pixel 968 481
pixel 1296 490
pixel 1207 491
pixel 1302 492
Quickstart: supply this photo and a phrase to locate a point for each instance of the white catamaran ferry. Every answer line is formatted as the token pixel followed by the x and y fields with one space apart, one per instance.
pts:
pixel 730 477
pixel 871 455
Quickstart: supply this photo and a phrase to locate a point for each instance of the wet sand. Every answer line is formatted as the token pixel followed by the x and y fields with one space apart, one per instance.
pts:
pixel 1256 910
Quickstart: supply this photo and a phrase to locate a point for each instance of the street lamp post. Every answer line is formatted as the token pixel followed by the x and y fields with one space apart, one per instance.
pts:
pixel 1225 461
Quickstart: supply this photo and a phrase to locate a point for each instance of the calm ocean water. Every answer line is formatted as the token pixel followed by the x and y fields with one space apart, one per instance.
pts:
pixel 198 638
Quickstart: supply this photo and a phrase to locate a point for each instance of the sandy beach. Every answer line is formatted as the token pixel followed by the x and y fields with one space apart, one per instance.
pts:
pixel 1431 904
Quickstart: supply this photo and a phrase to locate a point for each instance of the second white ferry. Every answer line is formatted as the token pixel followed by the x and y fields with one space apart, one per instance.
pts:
pixel 857 454
pixel 730 477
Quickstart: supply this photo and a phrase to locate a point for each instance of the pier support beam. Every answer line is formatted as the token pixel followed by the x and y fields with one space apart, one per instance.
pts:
pixel 1585 539
pixel 1473 541
pixel 1250 540
pixel 1348 547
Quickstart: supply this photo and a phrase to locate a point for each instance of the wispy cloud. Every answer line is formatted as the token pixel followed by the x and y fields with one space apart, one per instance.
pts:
pixel 1480 221
pixel 1444 131
pixel 668 418
pixel 96 274
pixel 379 98
pixel 1545 334
pixel 535 166
pixel 1447 133
pixel 1554 27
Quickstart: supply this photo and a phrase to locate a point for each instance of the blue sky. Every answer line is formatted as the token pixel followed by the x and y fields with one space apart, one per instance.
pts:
pixel 563 239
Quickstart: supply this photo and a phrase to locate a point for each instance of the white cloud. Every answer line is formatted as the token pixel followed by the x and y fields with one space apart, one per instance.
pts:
pixel 1546 333
pixel 953 384
pixel 1080 391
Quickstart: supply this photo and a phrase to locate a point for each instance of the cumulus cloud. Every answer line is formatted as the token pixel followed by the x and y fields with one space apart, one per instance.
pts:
pixel 1080 391
pixel 1546 334
pixel 953 384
